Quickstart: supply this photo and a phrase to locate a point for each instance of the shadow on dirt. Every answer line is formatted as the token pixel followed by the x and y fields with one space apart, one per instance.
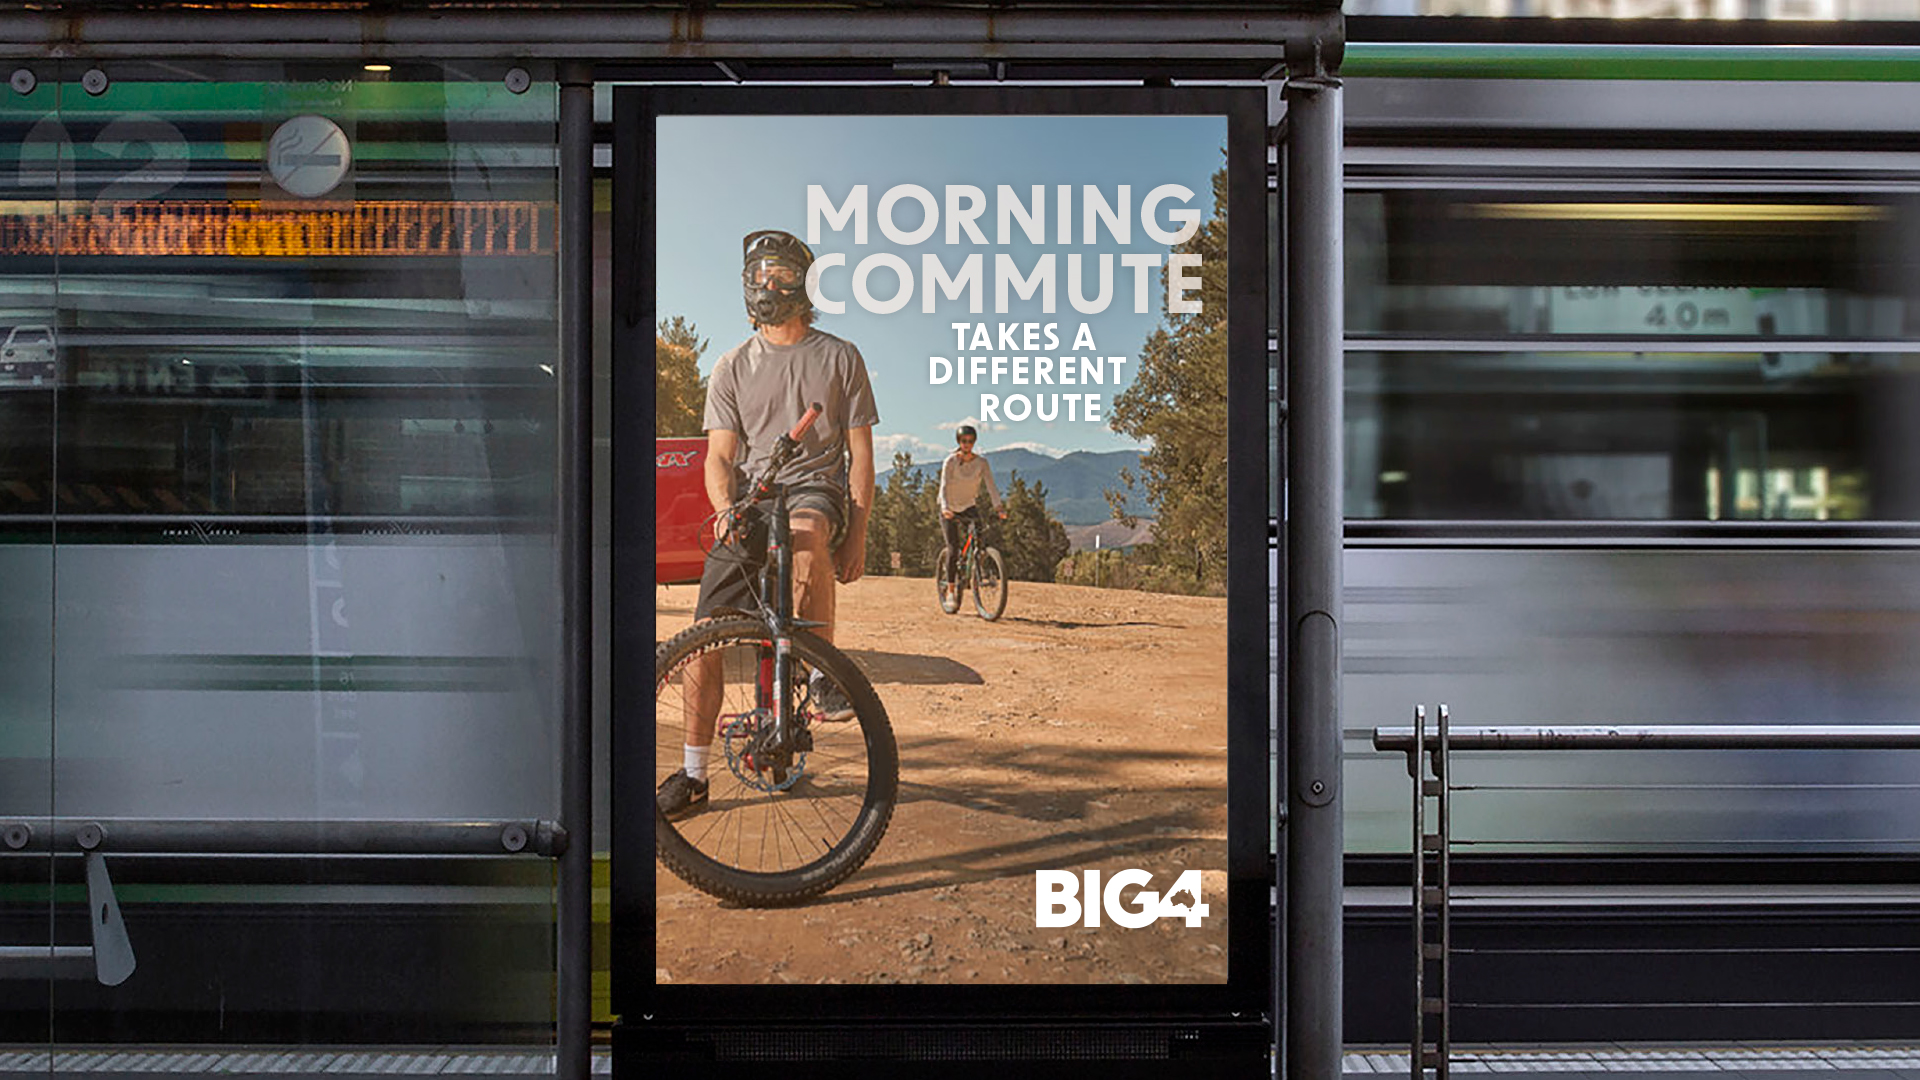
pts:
pixel 1042 782
pixel 1065 624
pixel 914 669
pixel 1138 838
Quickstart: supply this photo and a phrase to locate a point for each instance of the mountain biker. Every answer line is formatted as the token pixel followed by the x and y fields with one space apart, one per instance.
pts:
pixel 961 477
pixel 756 392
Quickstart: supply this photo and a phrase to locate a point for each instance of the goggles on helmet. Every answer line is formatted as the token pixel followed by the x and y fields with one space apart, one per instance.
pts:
pixel 774 275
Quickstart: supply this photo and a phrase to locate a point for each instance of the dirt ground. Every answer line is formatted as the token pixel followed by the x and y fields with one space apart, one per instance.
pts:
pixel 1085 728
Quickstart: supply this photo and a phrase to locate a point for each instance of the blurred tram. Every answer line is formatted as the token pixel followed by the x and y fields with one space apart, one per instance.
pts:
pixel 1633 437
pixel 1632 389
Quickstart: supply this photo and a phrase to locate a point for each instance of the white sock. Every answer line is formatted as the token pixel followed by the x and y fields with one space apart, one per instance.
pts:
pixel 694 759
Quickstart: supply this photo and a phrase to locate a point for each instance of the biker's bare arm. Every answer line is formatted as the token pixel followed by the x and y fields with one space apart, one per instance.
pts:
pixel 852 557
pixel 722 447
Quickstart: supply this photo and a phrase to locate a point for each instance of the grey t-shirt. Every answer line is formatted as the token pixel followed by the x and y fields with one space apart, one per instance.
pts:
pixel 760 390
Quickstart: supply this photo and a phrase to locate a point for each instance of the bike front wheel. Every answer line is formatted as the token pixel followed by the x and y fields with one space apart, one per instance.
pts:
pixel 783 820
pixel 990 584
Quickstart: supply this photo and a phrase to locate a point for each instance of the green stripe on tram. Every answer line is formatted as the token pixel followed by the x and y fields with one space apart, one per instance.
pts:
pixel 1773 63
pixel 363 100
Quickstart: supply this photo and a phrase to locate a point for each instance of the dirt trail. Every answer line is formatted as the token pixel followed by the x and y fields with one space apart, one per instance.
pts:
pixel 1086 728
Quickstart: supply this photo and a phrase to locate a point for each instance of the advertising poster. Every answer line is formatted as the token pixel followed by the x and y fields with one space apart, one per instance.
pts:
pixel 979 733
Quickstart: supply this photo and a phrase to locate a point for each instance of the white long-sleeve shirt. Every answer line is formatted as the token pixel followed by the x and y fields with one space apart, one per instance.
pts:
pixel 960 482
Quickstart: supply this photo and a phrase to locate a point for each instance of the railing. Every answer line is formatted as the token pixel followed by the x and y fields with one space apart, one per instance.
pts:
pixel 1432 913
pixel 109 956
pixel 1429 763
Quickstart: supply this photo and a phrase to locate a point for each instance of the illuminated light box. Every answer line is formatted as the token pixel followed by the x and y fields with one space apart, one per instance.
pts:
pixel 908 779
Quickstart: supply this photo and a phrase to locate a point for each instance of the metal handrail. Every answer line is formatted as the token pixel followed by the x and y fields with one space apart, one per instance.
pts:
pixel 110 956
pixel 1666 737
pixel 1418 743
pixel 258 836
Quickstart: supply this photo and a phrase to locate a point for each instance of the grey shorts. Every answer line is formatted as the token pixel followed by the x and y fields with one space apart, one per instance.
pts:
pixel 731 579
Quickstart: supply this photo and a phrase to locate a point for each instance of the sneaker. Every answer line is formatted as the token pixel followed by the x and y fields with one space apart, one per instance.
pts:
pixel 828 701
pixel 681 796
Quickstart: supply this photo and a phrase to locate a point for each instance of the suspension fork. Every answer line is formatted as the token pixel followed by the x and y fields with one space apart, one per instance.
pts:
pixel 778 668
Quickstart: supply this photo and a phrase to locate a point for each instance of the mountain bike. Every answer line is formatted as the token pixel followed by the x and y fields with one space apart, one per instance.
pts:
pixel 978 564
pixel 797 801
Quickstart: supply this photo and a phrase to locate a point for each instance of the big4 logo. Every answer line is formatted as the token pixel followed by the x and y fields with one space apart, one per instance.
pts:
pixel 1057 899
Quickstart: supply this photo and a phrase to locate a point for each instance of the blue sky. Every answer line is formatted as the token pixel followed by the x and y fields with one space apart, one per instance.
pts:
pixel 722 177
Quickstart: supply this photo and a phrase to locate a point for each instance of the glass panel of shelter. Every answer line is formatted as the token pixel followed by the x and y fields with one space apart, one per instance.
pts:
pixel 29 351
pixel 287 470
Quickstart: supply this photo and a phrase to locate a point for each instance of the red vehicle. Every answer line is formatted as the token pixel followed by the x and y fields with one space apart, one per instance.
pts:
pixel 680 509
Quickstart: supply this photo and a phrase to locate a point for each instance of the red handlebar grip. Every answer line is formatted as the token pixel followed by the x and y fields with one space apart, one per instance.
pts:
pixel 806 421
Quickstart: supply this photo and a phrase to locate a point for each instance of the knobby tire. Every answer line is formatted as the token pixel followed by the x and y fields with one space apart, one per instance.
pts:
pixel 989 584
pixel 793 886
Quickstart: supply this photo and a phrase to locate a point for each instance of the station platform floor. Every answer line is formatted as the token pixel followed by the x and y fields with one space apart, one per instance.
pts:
pixel 1664 1061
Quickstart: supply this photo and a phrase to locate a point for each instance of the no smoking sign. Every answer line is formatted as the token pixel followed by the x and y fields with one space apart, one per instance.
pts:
pixel 308 156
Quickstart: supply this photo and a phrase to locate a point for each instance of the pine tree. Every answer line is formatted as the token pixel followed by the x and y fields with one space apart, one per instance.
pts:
pixel 1178 401
pixel 1032 540
pixel 680 394
pixel 904 518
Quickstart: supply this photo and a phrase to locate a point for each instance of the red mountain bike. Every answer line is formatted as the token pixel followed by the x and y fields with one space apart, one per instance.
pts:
pixel 804 769
pixel 979 565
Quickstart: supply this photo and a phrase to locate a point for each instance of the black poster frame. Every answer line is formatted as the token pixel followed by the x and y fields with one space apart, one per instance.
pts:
pixel 1247 996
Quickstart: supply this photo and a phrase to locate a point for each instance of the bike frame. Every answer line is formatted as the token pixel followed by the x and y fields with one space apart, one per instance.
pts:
pixel 777 612
pixel 963 559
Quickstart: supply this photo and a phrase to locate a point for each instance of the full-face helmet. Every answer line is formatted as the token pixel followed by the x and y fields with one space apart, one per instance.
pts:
pixel 774 274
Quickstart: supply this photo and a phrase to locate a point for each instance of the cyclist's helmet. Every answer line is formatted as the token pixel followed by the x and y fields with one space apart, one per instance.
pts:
pixel 774 272
pixel 965 431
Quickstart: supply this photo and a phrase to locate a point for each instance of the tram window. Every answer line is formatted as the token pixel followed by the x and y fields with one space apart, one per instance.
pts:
pixel 1518 436
pixel 1497 263
pixel 1467 397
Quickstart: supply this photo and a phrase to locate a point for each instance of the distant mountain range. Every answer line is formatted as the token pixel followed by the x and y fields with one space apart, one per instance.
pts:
pixel 1109 534
pixel 1076 483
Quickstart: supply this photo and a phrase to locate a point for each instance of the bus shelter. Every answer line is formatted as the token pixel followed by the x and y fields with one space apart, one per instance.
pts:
pixel 788 60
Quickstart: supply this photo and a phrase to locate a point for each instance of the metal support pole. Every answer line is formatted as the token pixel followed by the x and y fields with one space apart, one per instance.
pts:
pixel 1315 834
pixel 573 535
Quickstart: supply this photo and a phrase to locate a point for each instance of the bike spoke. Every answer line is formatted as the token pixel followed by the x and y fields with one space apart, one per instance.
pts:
pixel 794 834
pixel 820 811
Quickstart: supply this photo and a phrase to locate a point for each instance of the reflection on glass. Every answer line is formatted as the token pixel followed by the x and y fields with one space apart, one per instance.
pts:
pixel 276 380
pixel 28 347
